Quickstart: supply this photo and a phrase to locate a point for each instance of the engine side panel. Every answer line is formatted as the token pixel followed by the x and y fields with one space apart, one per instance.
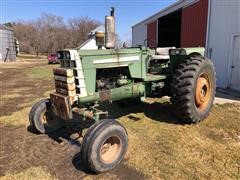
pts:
pixel 92 60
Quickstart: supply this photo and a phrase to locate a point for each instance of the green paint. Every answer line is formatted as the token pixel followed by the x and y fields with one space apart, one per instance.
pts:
pixel 123 92
pixel 136 59
pixel 199 50
pixel 175 60
pixel 90 59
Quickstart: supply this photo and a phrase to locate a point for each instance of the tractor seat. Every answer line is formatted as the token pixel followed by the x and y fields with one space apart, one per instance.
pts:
pixel 162 53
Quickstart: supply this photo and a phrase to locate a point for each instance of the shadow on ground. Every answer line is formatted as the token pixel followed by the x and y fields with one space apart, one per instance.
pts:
pixel 71 135
pixel 162 112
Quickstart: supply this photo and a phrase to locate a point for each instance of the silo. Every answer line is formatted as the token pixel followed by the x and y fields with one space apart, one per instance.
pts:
pixel 7 44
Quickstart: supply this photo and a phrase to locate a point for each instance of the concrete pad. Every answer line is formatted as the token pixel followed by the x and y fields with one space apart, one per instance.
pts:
pixel 219 100
pixel 226 96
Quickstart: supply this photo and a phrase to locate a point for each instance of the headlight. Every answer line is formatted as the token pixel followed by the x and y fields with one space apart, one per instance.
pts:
pixel 63 55
pixel 68 55
pixel 59 55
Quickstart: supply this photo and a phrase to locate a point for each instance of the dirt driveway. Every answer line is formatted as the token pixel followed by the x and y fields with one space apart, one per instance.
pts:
pixel 159 147
pixel 21 148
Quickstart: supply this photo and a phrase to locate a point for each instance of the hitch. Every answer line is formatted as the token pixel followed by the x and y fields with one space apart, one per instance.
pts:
pixel 92 112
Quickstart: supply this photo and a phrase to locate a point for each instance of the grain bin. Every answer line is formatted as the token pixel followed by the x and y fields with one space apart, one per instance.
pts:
pixel 7 44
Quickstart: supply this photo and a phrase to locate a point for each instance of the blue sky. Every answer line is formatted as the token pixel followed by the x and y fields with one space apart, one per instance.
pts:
pixel 128 12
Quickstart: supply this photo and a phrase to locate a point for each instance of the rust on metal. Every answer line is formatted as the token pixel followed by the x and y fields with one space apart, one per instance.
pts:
pixel 63 72
pixel 62 104
pixel 110 149
pixel 89 114
pixel 66 92
pixel 203 92
pixel 105 95
pixel 63 85
pixel 64 79
pixel 86 113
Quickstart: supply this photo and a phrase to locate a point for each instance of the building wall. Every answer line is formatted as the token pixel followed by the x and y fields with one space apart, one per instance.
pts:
pixel 91 44
pixel 139 34
pixel 152 34
pixel 194 24
pixel 219 23
pixel 139 31
pixel 224 23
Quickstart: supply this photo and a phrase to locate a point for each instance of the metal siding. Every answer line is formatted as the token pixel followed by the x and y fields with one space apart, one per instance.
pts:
pixel 139 30
pixel 194 24
pixel 168 10
pixel 139 34
pixel 152 34
pixel 7 41
pixel 223 24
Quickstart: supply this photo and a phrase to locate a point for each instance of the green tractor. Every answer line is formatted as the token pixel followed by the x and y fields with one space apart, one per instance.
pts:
pixel 88 77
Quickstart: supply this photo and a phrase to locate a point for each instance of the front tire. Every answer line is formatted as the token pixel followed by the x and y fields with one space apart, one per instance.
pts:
pixel 193 89
pixel 43 117
pixel 104 146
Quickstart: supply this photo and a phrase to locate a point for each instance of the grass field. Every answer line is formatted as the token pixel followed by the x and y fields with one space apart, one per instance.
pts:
pixel 159 146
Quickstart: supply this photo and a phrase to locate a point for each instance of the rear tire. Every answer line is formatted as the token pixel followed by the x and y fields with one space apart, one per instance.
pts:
pixel 193 89
pixel 104 145
pixel 43 117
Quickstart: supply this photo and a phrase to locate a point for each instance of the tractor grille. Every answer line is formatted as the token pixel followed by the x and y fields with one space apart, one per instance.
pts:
pixel 76 67
pixel 65 82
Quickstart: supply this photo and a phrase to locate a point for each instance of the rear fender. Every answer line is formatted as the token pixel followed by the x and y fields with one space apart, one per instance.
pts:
pixel 180 54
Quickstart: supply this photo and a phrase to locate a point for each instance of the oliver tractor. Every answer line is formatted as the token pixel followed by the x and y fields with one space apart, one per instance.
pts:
pixel 88 77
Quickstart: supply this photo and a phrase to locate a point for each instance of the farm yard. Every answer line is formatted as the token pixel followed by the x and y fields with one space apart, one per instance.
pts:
pixel 159 147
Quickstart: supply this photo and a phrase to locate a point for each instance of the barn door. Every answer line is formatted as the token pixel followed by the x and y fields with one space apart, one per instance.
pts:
pixel 152 34
pixel 235 63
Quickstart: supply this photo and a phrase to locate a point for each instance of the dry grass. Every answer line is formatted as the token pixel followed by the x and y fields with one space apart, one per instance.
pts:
pixel 40 72
pixel 29 174
pixel 32 56
pixel 23 60
pixel 20 118
pixel 159 149
pixel 17 118
pixel 208 150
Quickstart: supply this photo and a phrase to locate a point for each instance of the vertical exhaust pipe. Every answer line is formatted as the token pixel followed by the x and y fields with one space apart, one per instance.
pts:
pixel 110 36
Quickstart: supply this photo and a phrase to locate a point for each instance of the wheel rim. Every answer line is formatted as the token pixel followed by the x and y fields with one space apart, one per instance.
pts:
pixel 110 149
pixel 49 119
pixel 203 92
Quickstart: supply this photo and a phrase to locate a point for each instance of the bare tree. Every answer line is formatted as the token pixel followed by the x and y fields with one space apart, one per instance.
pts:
pixel 80 27
pixel 50 33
